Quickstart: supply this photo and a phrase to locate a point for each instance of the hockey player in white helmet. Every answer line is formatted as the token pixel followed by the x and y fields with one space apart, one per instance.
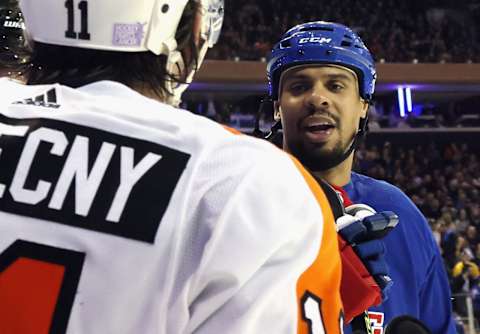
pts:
pixel 120 213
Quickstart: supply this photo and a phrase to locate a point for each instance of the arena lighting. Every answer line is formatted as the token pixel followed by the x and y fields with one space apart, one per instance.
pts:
pixel 401 103
pixel 408 97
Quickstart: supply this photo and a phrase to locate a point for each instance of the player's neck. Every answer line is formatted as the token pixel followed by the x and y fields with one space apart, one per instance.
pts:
pixel 338 175
pixel 148 92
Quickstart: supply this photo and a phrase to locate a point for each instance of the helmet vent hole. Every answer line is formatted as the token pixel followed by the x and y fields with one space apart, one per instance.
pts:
pixel 347 36
pixel 165 8
pixel 285 44
pixel 358 46
pixel 346 43
pixel 316 28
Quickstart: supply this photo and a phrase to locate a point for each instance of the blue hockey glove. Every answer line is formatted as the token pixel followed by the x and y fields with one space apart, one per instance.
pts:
pixel 363 229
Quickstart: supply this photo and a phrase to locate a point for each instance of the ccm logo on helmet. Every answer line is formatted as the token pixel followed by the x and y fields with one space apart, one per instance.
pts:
pixel 320 40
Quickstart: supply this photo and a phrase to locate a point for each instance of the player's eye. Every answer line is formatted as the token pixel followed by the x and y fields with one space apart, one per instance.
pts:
pixel 298 87
pixel 336 86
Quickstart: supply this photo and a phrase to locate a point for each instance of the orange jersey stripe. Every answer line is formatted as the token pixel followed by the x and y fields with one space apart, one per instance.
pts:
pixel 320 283
pixel 232 130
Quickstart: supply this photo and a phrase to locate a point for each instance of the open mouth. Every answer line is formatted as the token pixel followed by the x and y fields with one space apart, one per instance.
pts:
pixel 318 131
pixel 319 127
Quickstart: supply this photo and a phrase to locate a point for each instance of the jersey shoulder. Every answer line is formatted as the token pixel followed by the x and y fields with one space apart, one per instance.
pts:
pixel 381 194
pixel 364 183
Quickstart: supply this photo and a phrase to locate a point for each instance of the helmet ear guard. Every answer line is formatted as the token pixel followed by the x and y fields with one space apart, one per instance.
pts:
pixel 211 12
pixel 212 20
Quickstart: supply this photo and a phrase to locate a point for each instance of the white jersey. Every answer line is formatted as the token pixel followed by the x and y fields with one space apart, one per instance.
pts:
pixel 119 214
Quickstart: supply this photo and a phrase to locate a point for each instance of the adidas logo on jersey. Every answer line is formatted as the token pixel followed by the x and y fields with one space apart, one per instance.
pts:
pixel 47 100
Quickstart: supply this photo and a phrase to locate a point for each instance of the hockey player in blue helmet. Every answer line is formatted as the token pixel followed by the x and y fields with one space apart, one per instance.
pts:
pixel 321 81
pixel 334 46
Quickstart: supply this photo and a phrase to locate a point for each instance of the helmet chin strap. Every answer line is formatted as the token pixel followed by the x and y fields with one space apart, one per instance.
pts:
pixel 176 66
pixel 357 139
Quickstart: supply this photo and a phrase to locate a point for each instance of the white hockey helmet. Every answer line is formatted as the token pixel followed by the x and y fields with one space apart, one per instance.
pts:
pixel 120 25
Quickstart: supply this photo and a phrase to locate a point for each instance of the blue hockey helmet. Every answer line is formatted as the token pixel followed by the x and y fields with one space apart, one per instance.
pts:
pixel 322 43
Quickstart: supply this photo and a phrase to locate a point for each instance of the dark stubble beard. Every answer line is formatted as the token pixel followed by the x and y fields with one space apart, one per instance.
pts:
pixel 317 160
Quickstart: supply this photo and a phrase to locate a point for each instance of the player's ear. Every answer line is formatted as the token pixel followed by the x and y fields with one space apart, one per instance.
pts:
pixel 364 108
pixel 276 111
pixel 186 46
pixel 197 27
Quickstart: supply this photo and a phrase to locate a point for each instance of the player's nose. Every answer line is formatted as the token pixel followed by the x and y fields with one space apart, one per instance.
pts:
pixel 317 98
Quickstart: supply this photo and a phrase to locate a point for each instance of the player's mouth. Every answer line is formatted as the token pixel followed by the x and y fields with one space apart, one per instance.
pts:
pixel 318 129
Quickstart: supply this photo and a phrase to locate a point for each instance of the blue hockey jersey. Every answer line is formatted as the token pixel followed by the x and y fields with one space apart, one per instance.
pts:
pixel 421 286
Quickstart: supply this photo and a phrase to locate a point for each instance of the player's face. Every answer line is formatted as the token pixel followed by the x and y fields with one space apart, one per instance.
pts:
pixel 320 109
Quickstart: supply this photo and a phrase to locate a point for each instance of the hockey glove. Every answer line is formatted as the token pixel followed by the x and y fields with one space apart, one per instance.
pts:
pixel 365 280
pixel 360 272
pixel 363 229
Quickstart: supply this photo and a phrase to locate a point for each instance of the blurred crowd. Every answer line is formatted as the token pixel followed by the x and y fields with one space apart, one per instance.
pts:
pixel 444 182
pixel 240 112
pixel 394 31
pixel 454 113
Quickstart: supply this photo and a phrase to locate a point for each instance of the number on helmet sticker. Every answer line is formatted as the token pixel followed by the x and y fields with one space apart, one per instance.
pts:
pixel 312 313
pixel 70 32
pixel 38 284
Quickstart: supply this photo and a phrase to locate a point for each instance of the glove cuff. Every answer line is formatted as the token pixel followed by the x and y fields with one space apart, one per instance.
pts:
pixel 358 289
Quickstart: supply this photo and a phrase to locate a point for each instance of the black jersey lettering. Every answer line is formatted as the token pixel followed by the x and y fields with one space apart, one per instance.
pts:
pixel 85 177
